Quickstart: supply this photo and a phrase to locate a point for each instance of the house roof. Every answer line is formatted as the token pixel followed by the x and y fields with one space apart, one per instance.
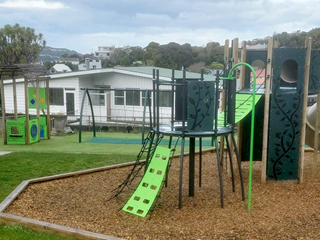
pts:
pixel 61 68
pixel 165 72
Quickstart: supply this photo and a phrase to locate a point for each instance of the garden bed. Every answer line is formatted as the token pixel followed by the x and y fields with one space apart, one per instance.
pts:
pixel 280 209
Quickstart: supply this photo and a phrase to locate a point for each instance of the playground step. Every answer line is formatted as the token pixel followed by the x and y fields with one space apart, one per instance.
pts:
pixel 142 199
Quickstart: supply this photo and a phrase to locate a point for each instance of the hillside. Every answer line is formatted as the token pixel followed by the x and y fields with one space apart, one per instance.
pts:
pixel 52 54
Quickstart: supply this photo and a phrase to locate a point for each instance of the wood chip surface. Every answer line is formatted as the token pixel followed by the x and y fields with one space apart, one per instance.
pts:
pixel 280 209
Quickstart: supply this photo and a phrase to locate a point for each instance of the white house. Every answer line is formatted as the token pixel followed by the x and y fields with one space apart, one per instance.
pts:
pixel 110 99
pixel 104 52
pixel 60 68
pixel 74 61
pixel 94 63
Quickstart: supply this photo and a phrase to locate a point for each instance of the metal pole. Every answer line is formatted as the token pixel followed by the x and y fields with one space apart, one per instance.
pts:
pixel 81 114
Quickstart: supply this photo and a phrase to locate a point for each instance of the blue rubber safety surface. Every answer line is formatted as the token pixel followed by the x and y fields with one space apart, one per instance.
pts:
pixel 205 142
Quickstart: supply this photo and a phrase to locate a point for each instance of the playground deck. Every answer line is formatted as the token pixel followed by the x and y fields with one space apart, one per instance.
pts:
pixel 280 209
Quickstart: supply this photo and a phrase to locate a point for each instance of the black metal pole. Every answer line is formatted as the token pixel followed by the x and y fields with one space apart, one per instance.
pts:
pixel 181 172
pixel 200 162
pixel 219 172
pixel 239 165
pixel 231 162
pixel 192 142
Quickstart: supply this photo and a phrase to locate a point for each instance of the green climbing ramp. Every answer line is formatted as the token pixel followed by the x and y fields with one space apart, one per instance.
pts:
pixel 142 199
pixel 243 107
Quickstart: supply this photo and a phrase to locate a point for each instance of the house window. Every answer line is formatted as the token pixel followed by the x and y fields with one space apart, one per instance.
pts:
pixel 56 96
pixel 94 66
pixel 118 97
pixel 133 98
pixel 165 99
pixel 97 100
pixel 142 98
pixel 97 60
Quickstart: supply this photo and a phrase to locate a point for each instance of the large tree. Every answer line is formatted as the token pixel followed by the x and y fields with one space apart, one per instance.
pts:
pixel 19 45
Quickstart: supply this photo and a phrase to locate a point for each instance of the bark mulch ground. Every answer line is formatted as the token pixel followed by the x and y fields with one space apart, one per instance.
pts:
pixel 280 209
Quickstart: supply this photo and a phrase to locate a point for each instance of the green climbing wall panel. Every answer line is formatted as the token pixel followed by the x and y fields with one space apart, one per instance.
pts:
pixel 16 133
pixel 32 97
pixel 243 107
pixel 142 199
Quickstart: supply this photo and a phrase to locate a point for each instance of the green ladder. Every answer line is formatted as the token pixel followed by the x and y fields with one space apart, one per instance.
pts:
pixel 243 107
pixel 145 194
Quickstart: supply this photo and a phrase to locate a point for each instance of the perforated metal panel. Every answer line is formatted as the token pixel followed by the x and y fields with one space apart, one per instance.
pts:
pixel 142 199
pixel 285 117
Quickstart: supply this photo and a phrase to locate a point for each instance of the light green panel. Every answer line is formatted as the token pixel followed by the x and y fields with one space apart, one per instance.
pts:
pixel 16 133
pixel 32 97
pixel 142 199
pixel 243 107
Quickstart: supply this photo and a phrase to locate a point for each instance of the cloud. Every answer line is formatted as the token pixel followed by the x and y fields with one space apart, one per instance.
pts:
pixel 32 4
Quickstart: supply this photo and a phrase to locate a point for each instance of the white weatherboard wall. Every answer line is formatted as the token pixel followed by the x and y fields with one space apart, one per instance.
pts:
pixel 74 81
pixel 69 83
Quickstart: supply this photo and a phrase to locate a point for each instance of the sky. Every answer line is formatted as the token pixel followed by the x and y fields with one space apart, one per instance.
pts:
pixel 84 25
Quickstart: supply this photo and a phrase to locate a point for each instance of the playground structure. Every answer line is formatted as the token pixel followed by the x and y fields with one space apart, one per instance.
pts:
pixel 158 162
pixel 282 121
pixel 26 129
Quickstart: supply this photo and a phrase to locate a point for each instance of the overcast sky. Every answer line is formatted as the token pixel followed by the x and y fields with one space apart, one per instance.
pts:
pixel 83 25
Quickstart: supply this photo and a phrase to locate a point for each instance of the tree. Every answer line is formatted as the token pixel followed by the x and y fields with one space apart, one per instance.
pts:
pixel 196 67
pixel 48 65
pixel 115 56
pixel 216 65
pixel 19 45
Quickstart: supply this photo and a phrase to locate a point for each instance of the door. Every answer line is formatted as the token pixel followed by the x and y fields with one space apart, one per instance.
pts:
pixel 70 103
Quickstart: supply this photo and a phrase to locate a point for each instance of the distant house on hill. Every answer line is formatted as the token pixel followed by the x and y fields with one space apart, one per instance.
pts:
pixel 60 68
pixel 90 64
pixel 104 52
pixel 74 61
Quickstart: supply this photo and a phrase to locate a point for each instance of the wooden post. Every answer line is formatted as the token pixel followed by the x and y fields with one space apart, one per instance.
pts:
pixel 223 97
pixel 304 108
pixel 38 106
pixel 48 109
pixel 316 140
pixel 26 103
pixel 235 58
pixel 242 84
pixel 266 111
pixel 15 105
pixel 3 110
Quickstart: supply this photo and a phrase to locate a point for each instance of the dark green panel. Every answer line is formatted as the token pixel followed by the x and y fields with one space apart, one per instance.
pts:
pixel 258 133
pixel 251 56
pixel 285 117
pixel 200 106
pixel 284 136
pixel 314 82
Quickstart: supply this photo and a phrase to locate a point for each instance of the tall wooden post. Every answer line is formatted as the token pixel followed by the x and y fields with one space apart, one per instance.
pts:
pixel 3 110
pixel 223 97
pixel 38 106
pixel 15 105
pixel 266 111
pixel 242 83
pixel 48 109
pixel 316 140
pixel 26 110
pixel 235 59
pixel 304 108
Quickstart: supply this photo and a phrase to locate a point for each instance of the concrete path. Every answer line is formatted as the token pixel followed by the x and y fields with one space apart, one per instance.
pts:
pixel 4 153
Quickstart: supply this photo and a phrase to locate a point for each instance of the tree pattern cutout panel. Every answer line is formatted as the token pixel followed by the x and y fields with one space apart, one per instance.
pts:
pixel 286 110
pixel 314 82
pixel 200 106
pixel 285 118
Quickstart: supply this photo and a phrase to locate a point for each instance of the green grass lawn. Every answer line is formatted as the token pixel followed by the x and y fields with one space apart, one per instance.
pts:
pixel 49 157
